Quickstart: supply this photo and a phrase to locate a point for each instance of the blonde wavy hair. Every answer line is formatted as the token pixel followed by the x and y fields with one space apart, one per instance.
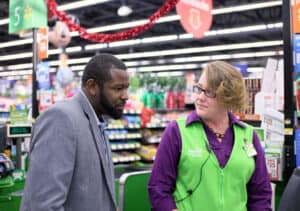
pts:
pixel 228 84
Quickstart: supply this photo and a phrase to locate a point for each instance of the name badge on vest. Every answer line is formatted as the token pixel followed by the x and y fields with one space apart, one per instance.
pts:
pixel 195 152
pixel 249 148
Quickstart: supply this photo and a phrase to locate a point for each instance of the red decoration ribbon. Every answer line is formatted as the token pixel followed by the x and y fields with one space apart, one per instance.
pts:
pixel 99 37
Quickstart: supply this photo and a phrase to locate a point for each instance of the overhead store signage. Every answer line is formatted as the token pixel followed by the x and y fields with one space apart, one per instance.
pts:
pixel 195 16
pixel 27 14
pixel 296 16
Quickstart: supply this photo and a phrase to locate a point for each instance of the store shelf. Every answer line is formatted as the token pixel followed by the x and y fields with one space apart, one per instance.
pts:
pixel 125 145
pixel 132 111
pixel 166 110
pixel 156 125
pixel 119 126
pixel 125 157
pixel 124 136
pixel 152 140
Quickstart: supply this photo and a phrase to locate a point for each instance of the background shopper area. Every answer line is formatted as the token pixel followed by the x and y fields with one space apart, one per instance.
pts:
pixel 44 46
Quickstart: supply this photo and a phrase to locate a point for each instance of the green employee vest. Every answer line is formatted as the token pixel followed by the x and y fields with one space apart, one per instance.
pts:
pixel 218 189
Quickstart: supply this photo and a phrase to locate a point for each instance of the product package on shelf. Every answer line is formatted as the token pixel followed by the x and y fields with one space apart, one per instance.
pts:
pixel 297 147
pixel 273 125
pixel 274 161
pixel 125 135
pixel 147 152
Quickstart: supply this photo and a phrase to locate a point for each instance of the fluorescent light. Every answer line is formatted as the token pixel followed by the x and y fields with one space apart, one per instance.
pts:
pixel 16 77
pixel 80 4
pixel 221 57
pixel 159 39
pixel 124 43
pixel 96 46
pixel 183 36
pixel 243 55
pixel 266 54
pixel 77 67
pixel 201 49
pixel 167 52
pixel 12 73
pixel 187 36
pixel 191 59
pixel 117 26
pixel 168 74
pixel 4 21
pixel 73 49
pixel 16 56
pixel 255 69
pixel 168 18
pixel 55 51
pixel 246 7
pixel 147 62
pixel 132 63
pixel 20 66
pixel 16 42
pixel 165 68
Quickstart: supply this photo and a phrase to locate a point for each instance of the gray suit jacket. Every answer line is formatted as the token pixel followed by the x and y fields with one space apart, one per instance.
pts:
pixel 68 169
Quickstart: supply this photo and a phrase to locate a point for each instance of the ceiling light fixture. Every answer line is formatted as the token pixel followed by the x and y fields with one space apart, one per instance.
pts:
pixel 147 62
pixel 201 49
pixel 165 68
pixel 124 10
pixel 166 52
pixel 247 7
pixel 80 4
pixel 139 22
pixel 124 43
pixel 158 38
pixel 79 68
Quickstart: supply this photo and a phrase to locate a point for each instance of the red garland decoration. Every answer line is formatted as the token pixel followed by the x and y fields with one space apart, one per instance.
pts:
pixel 99 37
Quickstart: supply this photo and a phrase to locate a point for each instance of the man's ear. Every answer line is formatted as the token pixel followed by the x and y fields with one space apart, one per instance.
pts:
pixel 91 87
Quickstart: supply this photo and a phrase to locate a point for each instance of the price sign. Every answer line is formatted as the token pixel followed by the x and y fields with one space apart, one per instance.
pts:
pixel 27 14
pixel 18 131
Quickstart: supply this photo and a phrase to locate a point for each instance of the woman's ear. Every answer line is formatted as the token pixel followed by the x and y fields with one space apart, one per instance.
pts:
pixel 91 87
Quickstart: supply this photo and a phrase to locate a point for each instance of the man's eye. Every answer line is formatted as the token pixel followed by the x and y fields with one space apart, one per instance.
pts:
pixel 118 88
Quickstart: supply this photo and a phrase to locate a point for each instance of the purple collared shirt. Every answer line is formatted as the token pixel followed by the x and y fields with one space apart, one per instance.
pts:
pixel 164 172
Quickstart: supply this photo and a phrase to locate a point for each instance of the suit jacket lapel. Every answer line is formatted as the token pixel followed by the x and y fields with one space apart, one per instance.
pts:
pixel 97 139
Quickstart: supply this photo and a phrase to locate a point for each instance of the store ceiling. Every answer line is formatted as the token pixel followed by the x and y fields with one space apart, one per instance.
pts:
pixel 105 14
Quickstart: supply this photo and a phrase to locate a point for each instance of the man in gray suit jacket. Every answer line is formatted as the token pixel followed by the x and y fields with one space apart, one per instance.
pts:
pixel 70 159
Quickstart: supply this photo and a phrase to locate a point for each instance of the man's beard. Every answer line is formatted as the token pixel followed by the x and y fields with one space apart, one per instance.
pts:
pixel 109 108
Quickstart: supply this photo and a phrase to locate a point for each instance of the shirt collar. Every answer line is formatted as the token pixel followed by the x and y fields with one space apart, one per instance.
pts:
pixel 100 122
pixel 193 117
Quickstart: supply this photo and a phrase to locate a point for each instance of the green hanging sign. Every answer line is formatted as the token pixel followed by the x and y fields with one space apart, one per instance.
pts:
pixel 27 14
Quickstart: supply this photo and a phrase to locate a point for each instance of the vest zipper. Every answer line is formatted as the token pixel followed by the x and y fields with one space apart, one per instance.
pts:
pixel 221 189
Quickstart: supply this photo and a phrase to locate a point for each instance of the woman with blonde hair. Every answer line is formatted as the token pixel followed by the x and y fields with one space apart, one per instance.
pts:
pixel 211 161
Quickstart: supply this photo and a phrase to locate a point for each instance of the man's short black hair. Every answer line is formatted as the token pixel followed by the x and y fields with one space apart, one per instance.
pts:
pixel 99 68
